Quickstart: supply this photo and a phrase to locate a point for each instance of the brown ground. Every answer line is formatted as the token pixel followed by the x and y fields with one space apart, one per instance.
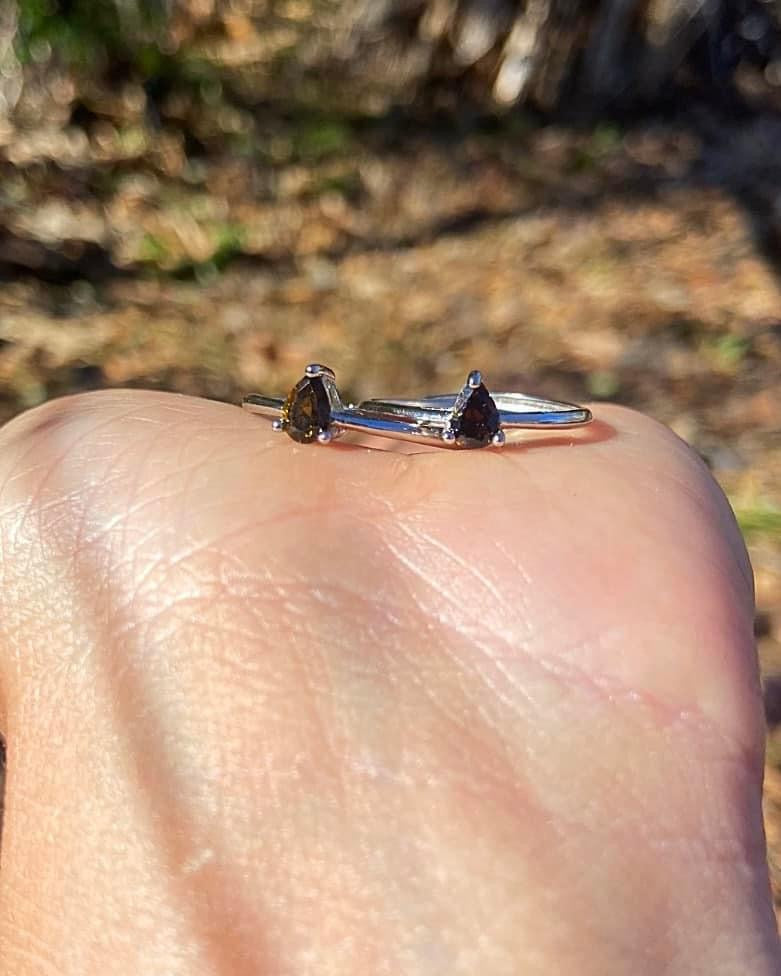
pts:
pixel 635 265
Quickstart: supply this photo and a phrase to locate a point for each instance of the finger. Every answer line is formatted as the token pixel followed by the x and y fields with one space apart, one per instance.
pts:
pixel 633 509
pixel 172 569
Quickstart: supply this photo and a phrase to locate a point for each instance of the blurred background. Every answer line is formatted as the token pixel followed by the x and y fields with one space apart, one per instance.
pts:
pixel 580 197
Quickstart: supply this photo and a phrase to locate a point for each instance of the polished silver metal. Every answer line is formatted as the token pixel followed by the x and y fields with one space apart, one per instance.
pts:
pixel 317 369
pixel 437 417
pixel 516 410
pixel 432 420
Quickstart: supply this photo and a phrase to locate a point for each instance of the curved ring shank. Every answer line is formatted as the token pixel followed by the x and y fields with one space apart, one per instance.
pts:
pixel 515 411
pixel 263 405
pixel 352 419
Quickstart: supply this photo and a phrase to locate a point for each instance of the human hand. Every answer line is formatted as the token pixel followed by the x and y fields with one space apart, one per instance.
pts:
pixel 280 710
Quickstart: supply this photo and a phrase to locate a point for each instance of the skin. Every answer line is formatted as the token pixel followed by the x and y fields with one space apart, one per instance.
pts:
pixel 285 710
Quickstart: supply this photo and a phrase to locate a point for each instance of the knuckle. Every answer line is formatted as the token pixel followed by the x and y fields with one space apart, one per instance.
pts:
pixel 45 466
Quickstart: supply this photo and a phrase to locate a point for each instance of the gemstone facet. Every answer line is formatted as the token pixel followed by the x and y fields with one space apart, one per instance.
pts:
pixel 307 410
pixel 478 421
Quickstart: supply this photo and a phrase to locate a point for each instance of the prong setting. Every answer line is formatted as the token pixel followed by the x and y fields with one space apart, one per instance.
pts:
pixel 306 413
pixel 278 425
pixel 474 418
pixel 449 436
pixel 317 369
pixel 499 439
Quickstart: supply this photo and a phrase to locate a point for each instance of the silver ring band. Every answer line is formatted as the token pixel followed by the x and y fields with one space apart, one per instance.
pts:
pixel 346 419
pixel 516 410
pixel 473 417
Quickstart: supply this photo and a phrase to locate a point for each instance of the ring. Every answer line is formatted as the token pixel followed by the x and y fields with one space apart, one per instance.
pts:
pixel 473 417
pixel 313 411
pixel 309 410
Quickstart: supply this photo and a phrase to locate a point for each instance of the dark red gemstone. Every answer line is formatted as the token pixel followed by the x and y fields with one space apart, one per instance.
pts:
pixel 479 420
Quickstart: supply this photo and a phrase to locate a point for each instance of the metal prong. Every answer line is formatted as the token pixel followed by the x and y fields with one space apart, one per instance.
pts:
pixel 449 436
pixel 277 425
pixel 325 437
pixel 498 439
pixel 474 379
pixel 317 369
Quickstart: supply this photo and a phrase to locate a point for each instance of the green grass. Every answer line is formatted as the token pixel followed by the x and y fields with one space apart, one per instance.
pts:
pixel 227 243
pixel 152 250
pixel 603 384
pixel 729 350
pixel 87 32
pixel 759 520
pixel 322 138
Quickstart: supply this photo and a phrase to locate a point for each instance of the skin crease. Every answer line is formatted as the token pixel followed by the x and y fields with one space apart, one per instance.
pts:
pixel 285 710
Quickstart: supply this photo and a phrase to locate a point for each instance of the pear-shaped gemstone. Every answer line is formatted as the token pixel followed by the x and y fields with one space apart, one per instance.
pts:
pixel 479 420
pixel 307 410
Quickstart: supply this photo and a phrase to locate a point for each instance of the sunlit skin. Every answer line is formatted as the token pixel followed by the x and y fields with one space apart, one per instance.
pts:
pixel 282 710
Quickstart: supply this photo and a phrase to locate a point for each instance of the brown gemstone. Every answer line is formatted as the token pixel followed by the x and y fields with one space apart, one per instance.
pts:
pixel 479 420
pixel 307 410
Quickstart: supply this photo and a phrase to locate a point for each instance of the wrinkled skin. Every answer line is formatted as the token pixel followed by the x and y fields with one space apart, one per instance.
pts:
pixel 287 710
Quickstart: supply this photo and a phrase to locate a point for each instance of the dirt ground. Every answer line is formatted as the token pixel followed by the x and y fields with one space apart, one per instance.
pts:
pixel 638 264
